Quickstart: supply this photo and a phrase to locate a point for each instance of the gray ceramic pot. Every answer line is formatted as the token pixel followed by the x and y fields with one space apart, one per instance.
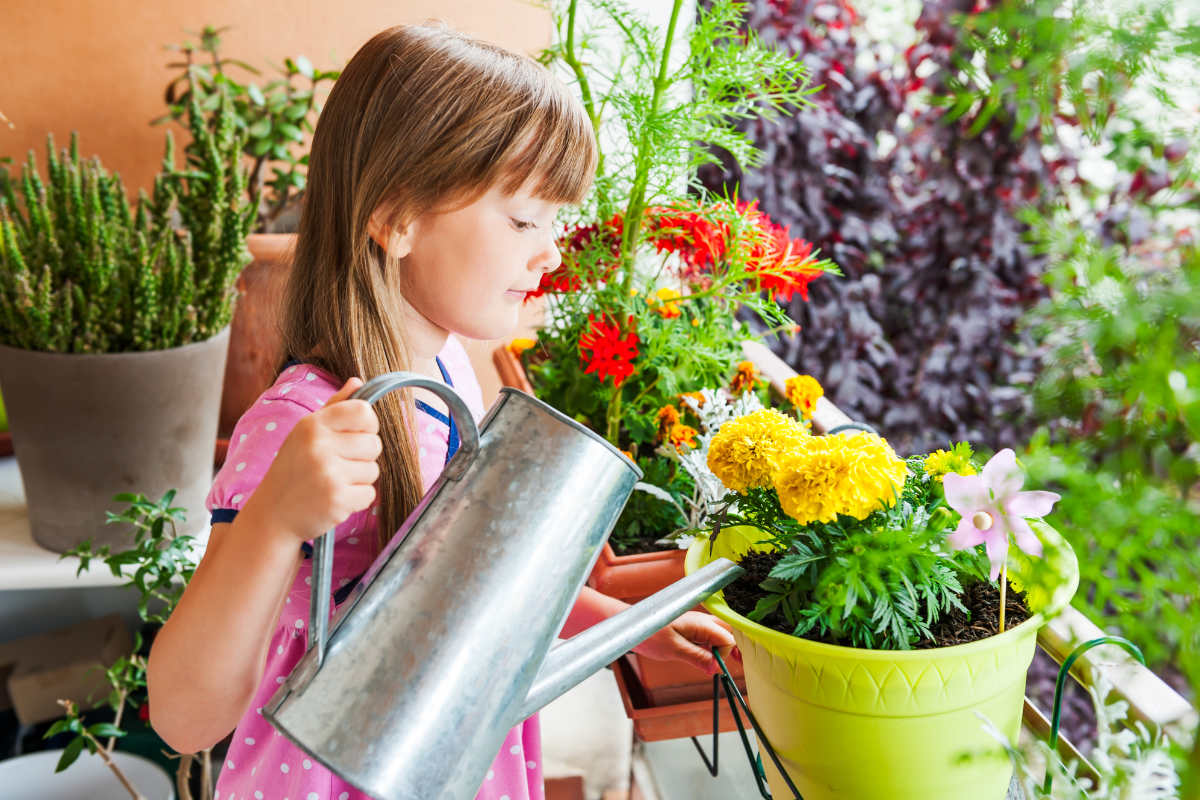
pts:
pixel 87 427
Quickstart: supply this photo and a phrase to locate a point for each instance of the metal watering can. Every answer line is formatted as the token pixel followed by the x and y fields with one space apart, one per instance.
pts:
pixel 450 640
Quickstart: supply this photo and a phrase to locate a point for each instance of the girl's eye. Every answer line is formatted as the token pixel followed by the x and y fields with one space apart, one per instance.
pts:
pixel 522 225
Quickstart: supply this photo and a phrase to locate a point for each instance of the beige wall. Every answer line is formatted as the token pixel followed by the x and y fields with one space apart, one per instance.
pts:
pixel 100 68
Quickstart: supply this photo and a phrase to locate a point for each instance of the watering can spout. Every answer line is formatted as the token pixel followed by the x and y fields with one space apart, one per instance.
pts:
pixel 572 660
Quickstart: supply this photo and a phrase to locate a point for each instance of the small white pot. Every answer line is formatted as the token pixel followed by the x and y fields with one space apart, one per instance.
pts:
pixel 32 777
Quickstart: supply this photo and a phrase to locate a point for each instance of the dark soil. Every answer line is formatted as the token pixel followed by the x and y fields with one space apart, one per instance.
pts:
pixel 632 547
pixel 981 599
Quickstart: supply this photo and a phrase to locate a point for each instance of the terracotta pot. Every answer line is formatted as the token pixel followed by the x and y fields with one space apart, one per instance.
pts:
pixel 671 682
pixel 254 339
pixel 89 426
pixel 653 722
pixel 635 577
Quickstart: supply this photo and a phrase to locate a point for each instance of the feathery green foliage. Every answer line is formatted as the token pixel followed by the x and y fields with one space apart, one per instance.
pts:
pixel 878 583
pixel 1039 60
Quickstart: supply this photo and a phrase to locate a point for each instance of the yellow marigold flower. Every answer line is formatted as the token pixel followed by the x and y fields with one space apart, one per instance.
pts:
pixel 633 293
pixel 668 309
pixel 695 322
pixel 745 379
pixel 519 345
pixel 746 451
pixel 681 435
pixel 803 391
pixel 847 473
pixel 957 459
pixel 668 417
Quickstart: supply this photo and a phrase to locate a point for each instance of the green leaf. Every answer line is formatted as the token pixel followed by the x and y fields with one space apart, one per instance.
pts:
pixel 70 753
pixel 105 729
pixel 290 131
pixel 304 66
pixel 256 95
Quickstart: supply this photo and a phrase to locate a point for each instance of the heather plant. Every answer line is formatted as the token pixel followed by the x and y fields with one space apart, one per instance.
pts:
pixel 276 117
pixel 83 271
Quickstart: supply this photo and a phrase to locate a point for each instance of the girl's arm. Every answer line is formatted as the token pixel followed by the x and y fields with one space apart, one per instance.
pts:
pixel 688 639
pixel 208 658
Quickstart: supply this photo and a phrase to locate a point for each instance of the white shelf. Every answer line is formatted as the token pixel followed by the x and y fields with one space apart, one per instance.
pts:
pixel 25 564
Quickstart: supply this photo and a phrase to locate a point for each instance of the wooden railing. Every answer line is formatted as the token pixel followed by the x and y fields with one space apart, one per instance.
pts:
pixel 1151 700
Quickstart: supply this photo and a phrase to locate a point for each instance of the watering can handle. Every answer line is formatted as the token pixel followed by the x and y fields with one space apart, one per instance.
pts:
pixel 372 390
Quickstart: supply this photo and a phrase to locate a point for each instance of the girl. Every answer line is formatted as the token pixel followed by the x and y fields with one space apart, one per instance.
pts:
pixel 437 169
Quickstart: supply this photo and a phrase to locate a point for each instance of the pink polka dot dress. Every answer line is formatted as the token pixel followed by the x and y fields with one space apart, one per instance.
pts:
pixel 261 763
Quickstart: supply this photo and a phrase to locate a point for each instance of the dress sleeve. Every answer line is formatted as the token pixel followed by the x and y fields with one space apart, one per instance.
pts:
pixel 252 447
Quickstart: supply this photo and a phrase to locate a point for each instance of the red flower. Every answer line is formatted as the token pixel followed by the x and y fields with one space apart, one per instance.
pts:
pixel 611 353
pixel 144 711
pixel 783 265
pixel 699 242
pixel 583 238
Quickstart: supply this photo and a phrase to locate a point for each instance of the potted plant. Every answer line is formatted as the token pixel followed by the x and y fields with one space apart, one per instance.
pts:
pixel 158 561
pixel 277 117
pixel 642 310
pixel 872 628
pixel 114 326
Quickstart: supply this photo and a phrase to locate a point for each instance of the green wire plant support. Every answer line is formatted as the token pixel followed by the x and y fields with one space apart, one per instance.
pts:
pixel 1060 683
pixel 724 679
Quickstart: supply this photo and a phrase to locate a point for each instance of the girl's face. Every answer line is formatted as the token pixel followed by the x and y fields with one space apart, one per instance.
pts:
pixel 468 270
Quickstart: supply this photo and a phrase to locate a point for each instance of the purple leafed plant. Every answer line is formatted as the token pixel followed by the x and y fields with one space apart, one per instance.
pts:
pixel 920 336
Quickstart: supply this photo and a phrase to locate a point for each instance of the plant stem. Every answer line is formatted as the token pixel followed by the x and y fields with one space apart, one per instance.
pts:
pixel 1003 592
pixel 206 786
pixel 613 417
pixel 112 765
pixel 637 195
pixel 112 740
pixel 183 776
pixel 585 88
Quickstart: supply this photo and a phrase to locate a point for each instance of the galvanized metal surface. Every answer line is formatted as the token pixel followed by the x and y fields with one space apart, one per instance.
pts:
pixel 431 660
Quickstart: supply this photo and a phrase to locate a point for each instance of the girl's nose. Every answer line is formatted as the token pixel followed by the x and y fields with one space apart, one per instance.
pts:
pixel 549 259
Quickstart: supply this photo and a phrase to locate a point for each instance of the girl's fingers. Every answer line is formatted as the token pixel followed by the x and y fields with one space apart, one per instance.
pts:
pixel 348 388
pixel 359 446
pixel 359 472
pixel 351 416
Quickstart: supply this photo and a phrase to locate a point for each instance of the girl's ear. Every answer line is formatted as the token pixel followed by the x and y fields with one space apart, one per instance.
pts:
pixel 395 242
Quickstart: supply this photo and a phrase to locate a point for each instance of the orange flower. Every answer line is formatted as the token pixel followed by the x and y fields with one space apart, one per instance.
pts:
pixel 668 418
pixel 745 379
pixel 669 308
pixel 696 396
pixel 681 435
pixel 803 391
pixel 629 455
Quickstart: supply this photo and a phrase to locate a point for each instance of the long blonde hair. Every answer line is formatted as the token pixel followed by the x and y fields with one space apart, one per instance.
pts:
pixel 421 118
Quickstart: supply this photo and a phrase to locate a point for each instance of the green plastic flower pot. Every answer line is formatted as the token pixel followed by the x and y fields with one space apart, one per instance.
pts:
pixel 856 724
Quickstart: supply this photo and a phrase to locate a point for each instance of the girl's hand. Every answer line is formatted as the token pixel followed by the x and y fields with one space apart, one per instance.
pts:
pixel 326 467
pixel 690 639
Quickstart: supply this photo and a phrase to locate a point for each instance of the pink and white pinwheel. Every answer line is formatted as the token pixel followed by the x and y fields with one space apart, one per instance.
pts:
pixel 993 506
